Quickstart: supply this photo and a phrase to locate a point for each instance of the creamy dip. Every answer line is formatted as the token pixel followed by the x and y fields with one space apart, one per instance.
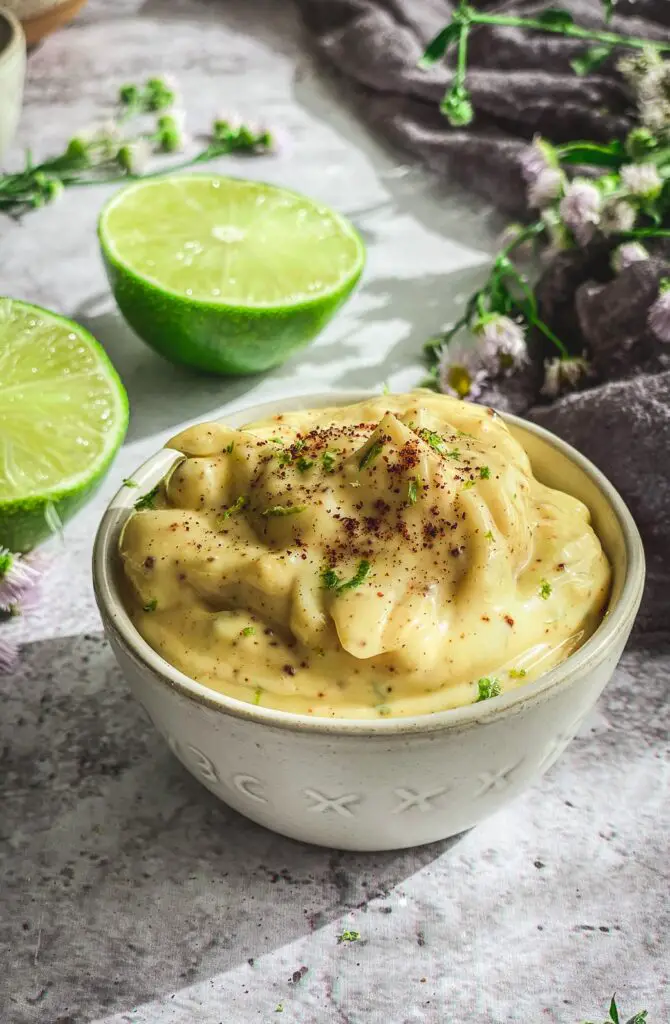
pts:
pixel 393 557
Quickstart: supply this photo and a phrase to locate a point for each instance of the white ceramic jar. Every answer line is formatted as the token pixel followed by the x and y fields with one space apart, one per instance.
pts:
pixel 362 785
pixel 12 74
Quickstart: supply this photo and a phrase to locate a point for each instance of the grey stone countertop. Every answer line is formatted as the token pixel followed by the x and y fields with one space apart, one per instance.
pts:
pixel 130 895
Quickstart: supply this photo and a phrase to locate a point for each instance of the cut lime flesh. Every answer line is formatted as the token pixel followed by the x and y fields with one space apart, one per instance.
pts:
pixel 63 415
pixel 223 274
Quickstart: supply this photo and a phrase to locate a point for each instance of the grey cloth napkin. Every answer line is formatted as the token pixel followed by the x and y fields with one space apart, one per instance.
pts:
pixel 523 84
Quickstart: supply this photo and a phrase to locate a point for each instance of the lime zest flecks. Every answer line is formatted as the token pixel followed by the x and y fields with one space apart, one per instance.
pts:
pixel 229 448
pixel 517 673
pixel 545 589
pixel 237 506
pixel 487 687
pixel 147 500
pixel 348 936
pixel 283 510
pixel 373 452
pixel 488 535
pixel 127 482
pixel 248 631
pixel 468 484
pixel 258 693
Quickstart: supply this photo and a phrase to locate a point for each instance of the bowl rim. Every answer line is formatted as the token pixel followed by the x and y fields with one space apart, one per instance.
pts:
pixel 15 33
pixel 118 622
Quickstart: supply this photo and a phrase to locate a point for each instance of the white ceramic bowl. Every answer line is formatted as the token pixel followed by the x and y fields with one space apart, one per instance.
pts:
pixel 362 785
pixel 12 74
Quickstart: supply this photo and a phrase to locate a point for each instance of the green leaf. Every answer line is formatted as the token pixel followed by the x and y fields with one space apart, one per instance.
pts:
pixel 638 1018
pixel 612 154
pixel 594 58
pixel 438 46
pixel 147 500
pixel 371 454
pixel 555 17
pixel 609 6
pixel 614 1012
pixel 487 687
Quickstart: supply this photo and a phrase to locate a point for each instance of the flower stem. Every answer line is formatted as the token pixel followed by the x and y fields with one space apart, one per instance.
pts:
pixel 572 31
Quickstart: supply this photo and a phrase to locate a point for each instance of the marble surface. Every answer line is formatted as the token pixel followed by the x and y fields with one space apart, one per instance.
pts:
pixel 128 894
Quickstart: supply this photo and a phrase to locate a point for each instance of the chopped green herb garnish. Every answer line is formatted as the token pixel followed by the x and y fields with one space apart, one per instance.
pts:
pixel 357 578
pixel 248 631
pixel 413 490
pixel 489 535
pixel 331 581
pixel 284 458
pixel 455 453
pixel 237 506
pixel 130 483
pixel 284 510
pixel 304 464
pixel 348 936
pixel 298 445
pixel 484 472
pixel 545 589
pixel 384 710
pixel 229 448
pixel 276 440
pixel 328 461
pixel 279 1008
pixel 433 439
pixel 488 687
pixel 468 484
pixel 258 693
pixel 147 500
pixel 370 455
pixel 151 605
pixel 386 389
pixel 517 673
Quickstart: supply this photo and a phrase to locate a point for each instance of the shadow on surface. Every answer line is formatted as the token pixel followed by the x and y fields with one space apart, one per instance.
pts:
pixel 156 388
pixel 125 879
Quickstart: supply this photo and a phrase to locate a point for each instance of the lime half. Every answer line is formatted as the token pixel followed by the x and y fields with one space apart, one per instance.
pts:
pixel 63 415
pixel 226 275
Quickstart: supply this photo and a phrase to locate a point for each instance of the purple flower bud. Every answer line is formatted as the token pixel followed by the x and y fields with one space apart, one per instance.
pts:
pixel 658 317
pixel 19 577
pixel 564 374
pixel 8 656
pixel 618 216
pixel 503 343
pixel 548 185
pixel 536 158
pixel 580 209
pixel 641 180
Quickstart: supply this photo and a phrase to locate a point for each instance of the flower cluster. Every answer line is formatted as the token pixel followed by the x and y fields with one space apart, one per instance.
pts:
pixel 19 579
pixel 147 122
pixel 580 192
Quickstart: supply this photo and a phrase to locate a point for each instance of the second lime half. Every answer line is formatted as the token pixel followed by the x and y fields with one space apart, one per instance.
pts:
pixel 226 275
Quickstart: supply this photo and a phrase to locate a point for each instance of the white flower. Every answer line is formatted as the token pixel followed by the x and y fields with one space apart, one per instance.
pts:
pixel 503 343
pixel 641 180
pixel 580 209
pixel 617 216
pixel 536 158
pixel 547 186
pixel 19 577
pixel 658 317
pixel 564 374
pixel 460 371
pixel 625 255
